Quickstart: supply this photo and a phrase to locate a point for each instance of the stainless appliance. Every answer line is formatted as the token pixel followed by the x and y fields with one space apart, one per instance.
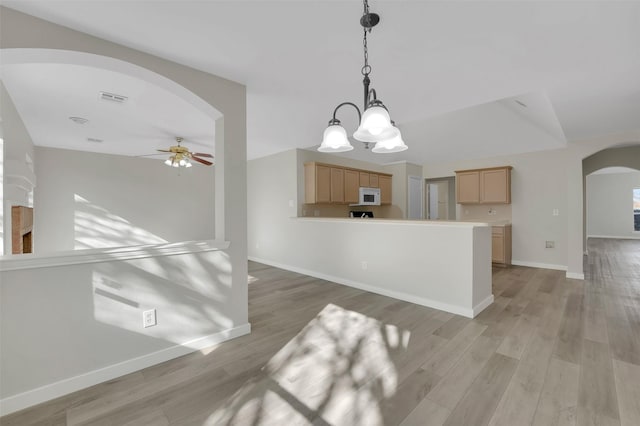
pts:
pixel 359 214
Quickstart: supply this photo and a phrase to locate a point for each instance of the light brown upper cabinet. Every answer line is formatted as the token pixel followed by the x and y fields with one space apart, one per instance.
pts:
pixel 385 189
pixel 468 187
pixel 317 184
pixel 364 179
pixel 331 184
pixel 351 186
pixel 484 186
pixel 337 185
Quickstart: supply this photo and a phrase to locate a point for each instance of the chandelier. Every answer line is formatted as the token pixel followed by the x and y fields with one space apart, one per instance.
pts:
pixel 374 123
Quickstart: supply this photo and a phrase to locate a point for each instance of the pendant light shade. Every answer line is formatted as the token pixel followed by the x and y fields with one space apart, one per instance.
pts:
pixel 335 139
pixel 389 146
pixel 375 126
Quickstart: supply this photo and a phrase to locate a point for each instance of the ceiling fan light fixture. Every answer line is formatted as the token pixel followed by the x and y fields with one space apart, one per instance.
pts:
pixel 180 156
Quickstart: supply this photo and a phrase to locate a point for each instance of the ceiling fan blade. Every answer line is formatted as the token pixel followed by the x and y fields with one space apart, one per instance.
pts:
pixel 149 155
pixel 200 160
pixel 163 150
pixel 202 154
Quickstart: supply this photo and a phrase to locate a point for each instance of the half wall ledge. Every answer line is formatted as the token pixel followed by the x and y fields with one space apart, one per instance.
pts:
pixel 77 257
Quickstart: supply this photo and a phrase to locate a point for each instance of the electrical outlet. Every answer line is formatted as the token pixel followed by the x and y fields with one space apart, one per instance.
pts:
pixel 291 203
pixel 149 318
pixel 555 212
pixel 364 265
pixel 549 244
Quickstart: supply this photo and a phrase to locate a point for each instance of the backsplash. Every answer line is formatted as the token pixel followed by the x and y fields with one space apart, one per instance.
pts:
pixel 484 212
pixel 338 210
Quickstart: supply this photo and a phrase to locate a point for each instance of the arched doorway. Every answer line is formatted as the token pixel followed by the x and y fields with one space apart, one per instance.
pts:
pixel 616 159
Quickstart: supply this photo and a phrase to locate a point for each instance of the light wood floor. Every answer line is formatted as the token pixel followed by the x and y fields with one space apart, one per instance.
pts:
pixel 549 351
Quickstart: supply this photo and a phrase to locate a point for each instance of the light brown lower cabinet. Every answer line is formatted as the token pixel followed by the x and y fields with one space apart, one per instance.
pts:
pixel 501 245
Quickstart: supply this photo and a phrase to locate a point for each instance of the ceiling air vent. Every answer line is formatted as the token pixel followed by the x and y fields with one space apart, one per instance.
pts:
pixel 106 96
pixel 79 120
pixel 95 140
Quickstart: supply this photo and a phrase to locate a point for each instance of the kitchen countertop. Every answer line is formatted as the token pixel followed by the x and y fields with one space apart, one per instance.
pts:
pixel 499 222
pixel 384 221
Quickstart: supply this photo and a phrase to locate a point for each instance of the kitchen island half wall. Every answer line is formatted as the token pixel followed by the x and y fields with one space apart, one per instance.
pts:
pixel 442 265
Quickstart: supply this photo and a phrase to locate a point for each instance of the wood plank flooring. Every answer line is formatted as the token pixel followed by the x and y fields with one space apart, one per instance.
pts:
pixel 549 351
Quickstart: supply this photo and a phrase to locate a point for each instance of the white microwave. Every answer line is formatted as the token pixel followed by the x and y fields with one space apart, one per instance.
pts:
pixel 369 197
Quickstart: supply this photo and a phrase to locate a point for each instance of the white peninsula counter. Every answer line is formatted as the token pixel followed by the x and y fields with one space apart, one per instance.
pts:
pixel 443 265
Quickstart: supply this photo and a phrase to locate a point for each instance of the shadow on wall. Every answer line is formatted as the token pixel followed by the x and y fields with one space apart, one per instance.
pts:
pixel 338 370
pixel 189 294
pixel 89 316
pixel 96 227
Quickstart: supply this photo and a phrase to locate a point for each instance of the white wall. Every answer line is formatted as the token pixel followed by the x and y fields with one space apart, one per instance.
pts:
pixel 610 204
pixel 538 185
pixel 67 326
pixel 89 200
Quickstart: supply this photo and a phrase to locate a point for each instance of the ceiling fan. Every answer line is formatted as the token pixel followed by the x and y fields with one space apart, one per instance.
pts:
pixel 181 156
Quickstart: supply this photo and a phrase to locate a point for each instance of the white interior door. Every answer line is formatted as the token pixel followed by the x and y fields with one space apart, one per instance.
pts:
pixel 443 200
pixel 415 198
pixel 433 201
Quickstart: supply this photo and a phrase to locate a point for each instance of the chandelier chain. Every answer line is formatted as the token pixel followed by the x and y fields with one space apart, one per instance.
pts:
pixel 366 69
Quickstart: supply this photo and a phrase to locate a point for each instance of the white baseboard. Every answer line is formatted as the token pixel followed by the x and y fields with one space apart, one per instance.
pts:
pixel 482 305
pixel 63 387
pixel 572 275
pixel 575 275
pixel 539 265
pixel 617 237
pixel 454 309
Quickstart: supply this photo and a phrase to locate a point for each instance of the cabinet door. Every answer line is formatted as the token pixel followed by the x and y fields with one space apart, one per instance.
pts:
pixel 323 184
pixel 373 180
pixel 364 179
pixel 351 186
pixel 497 248
pixel 468 187
pixel 337 185
pixel 385 189
pixel 495 186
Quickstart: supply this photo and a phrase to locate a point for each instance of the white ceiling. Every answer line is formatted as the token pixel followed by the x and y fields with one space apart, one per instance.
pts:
pixel 47 95
pixel 438 66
